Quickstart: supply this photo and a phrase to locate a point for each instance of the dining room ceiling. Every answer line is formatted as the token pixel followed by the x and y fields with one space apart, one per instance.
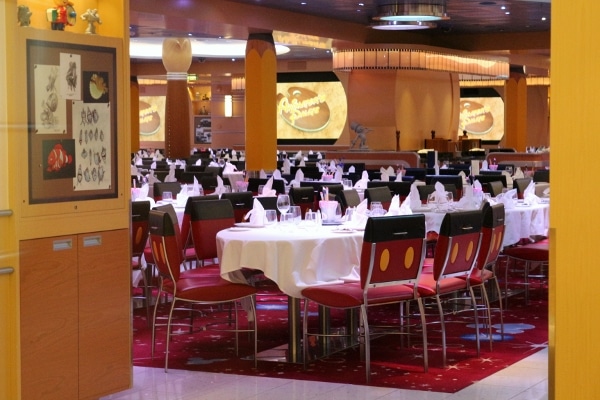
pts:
pixel 516 29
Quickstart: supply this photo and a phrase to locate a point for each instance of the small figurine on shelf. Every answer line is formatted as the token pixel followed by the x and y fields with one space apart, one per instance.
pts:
pixel 23 15
pixel 61 15
pixel 92 17
pixel 361 135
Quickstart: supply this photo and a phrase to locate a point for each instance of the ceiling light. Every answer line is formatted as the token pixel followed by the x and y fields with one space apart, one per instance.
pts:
pixel 402 25
pixel 413 10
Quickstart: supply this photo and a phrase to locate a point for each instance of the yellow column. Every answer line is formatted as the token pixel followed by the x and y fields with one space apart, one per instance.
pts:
pixel 261 102
pixel 177 58
pixel 515 117
pixel 574 301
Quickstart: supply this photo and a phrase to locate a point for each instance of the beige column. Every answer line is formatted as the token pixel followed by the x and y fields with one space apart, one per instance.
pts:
pixel 261 103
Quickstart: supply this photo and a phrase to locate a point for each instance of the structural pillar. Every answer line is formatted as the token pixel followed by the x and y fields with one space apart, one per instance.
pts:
pixel 177 58
pixel 134 88
pixel 515 117
pixel 261 103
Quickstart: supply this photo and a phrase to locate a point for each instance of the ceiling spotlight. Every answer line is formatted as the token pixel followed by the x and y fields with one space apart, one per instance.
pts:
pixel 402 25
pixel 413 10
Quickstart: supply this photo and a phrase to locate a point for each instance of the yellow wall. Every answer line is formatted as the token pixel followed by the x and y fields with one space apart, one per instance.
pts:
pixel 574 301
pixel 59 218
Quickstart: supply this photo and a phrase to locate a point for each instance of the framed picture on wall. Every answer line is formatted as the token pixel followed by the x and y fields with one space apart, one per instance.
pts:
pixel 202 129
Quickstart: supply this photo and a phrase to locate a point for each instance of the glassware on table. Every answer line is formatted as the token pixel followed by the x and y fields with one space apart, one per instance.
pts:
pixel 287 218
pixel 296 213
pixel 283 203
pixel 227 188
pixel 310 217
pixel 260 189
pixel 270 217
pixel 167 196
pixel 377 209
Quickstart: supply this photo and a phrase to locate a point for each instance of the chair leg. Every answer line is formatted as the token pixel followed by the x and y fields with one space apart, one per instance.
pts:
pixel 305 352
pixel 476 315
pixel 424 333
pixel 500 307
pixel 443 326
pixel 169 334
pixel 367 341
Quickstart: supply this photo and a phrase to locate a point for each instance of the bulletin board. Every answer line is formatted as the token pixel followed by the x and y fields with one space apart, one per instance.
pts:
pixel 72 122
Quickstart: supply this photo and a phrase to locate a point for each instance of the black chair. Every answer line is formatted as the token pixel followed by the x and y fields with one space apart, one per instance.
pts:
pixel 455 180
pixel 161 187
pixel 417 173
pixel 381 194
pixel 426 190
pixel 303 197
pixel 268 202
pixel 333 188
pixel 483 179
pixel 242 202
pixel 348 198
pixel 541 175
pixel 521 184
pixel 494 188
pixel 214 170
pixel 401 188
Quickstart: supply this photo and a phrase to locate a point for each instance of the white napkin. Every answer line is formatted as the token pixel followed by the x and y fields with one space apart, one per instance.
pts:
pixel 171 176
pixel 351 169
pixel 397 209
pixel 229 168
pixel 220 189
pixel 267 189
pixel 153 165
pixel 257 214
pixel 529 196
pixel 141 194
pixel 198 162
pixel 385 177
pixel 299 155
pixel 509 179
pixel 484 165
pixel 298 178
pixel 339 174
pixel 213 164
pixel 286 167
pixel 319 156
pixel 196 187
pixel 518 174
pixel 332 165
pixel 467 201
pixel 360 215
pixel 399 176
pixel 362 182
pixel 464 177
pixel 440 192
pixel 262 174
pixel 415 199
pixel 508 199
pixel 152 178
pixel 138 160
pixel 277 175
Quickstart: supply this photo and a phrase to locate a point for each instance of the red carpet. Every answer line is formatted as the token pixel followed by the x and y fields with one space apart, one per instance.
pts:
pixel 393 365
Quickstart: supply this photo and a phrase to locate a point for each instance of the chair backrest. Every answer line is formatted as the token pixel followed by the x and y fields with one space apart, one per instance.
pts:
pixel 303 197
pixel 186 220
pixel 492 234
pixel 381 194
pixel 401 188
pixel 393 250
pixel 458 243
pixel 241 202
pixel 161 187
pixel 254 183
pixel 541 175
pixel 164 243
pixel 333 189
pixel 268 202
pixel 169 209
pixel 140 211
pixel 494 188
pixel 455 180
pixel 521 184
pixel 417 173
pixel 208 218
pixel 483 179
pixel 213 170
pixel 348 198
pixel 426 190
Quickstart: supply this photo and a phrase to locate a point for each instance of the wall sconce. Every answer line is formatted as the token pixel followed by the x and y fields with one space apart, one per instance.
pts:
pixel 238 84
pixel 228 105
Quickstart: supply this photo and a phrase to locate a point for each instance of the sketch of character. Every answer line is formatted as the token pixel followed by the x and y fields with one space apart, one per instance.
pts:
pixel 72 76
pixel 50 103
pixel 361 135
pixel 23 15
pixel 92 17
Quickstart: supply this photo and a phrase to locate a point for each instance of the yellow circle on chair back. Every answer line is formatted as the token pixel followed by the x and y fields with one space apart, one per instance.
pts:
pixel 454 253
pixel 384 260
pixel 469 251
pixel 409 257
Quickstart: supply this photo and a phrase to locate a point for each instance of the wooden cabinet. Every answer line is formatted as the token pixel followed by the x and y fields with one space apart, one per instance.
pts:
pixel 75 316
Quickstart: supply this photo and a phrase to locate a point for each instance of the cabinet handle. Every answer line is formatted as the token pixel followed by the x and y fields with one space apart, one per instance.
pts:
pixel 90 241
pixel 6 270
pixel 6 213
pixel 65 244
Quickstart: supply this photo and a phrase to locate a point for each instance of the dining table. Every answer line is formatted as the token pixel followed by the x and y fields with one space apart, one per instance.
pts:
pixel 294 256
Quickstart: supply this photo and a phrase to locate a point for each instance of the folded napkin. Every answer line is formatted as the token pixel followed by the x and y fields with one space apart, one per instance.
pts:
pixel 256 216
pixel 262 174
pixel 339 174
pixel 440 193
pixel 196 187
pixel 302 163
pixel 436 168
pixel 399 175
pixel 319 156
pixel 268 190
pixel 484 165
pixel 229 168
pixel 286 167
pixel 529 196
pixel 152 178
pixel 138 160
pixel 464 177
pixel 220 189
pixel 509 199
pixel 332 165
pixel 153 165
pixel 518 174
pixel 385 177
pixel 171 175
pixel 362 182
pixel 360 215
pixel 351 169
pixel 299 155
pixel 198 162
pixel 141 194
pixel 399 209
pixel 414 197
pixel 277 175
pixel 298 178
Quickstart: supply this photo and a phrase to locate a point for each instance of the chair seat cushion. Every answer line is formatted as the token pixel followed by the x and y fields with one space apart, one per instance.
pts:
pixel 531 252
pixel 428 286
pixel 350 295
pixel 212 290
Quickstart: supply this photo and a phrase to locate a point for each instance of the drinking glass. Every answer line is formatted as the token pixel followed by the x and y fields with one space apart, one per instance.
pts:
pixel 338 212
pixel 283 203
pixel 377 209
pixel 260 189
pixel 432 201
pixel 296 213
pixel 270 216
pixel 167 196
pixel 311 218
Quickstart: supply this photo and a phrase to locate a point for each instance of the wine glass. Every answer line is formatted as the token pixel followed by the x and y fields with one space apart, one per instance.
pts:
pixel 283 203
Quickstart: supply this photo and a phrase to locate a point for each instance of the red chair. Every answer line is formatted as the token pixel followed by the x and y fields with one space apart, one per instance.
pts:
pixel 242 203
pixel 391 260
pixel 455 257
pixel 492 236
pixel 205 290
pixel 186 236
pixel 207 219
pixel 140 211
pixel 303 197
pixel 526 258
pixel 381 194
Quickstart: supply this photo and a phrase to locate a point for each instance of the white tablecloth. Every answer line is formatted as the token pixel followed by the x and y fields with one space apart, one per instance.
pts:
pixel 521 222
pixel 293 257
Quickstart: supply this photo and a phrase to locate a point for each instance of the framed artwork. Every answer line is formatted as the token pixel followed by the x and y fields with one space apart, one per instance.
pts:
pixel 72 111
pixel 202 129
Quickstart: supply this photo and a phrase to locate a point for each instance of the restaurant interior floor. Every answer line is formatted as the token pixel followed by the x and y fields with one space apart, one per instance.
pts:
pixel 526 379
